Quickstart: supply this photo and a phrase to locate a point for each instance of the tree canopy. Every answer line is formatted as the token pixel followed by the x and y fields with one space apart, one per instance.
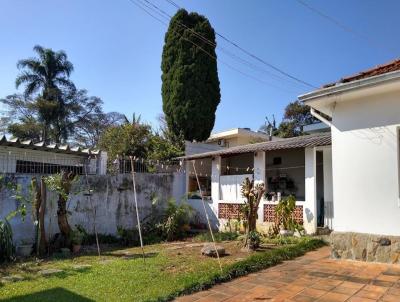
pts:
pixel 51 108
pixel 190 84
pixel 295 117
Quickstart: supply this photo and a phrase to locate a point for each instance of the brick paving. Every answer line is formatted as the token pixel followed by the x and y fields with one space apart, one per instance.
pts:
pixel 313 277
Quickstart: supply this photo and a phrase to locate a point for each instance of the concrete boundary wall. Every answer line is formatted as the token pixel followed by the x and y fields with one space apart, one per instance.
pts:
pixel 112 198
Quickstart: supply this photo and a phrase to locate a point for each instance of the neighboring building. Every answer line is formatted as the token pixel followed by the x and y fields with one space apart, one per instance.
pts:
pixel 299 166
pixel 217 141
pixel 237 137
pixel 26 157
pixel 363 112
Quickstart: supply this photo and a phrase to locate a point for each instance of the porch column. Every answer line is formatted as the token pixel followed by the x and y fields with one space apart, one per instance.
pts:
pixel 259 177
pixel 310 205
pixel 215 174
pixel 328 187
pixel 259 167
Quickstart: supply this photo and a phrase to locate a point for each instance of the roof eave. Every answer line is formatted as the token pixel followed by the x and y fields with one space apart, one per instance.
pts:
pixel 350 86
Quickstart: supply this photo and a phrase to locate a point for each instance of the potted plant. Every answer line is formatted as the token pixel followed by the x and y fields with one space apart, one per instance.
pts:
pixel 284 212
pixel 24 249
pixel 76 240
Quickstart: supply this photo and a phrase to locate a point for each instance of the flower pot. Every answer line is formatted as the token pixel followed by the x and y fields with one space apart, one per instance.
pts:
pixel 76 248
pixel 24 250
pixel 286 233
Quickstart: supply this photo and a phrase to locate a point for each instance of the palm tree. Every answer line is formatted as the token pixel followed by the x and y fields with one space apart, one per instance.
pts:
pixel 45 77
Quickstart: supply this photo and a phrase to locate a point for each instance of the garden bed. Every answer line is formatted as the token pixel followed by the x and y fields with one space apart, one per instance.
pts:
pixel 170 269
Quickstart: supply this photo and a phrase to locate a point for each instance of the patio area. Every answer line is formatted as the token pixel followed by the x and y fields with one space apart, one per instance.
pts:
pixel 313 277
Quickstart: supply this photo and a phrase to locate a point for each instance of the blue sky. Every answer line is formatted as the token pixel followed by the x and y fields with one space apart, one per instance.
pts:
pixel 116 48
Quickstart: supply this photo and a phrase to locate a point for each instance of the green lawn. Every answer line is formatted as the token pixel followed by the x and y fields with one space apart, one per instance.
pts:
pixel 169 270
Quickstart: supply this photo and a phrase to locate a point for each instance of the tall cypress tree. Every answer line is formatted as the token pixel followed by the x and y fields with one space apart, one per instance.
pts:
pixel 190 84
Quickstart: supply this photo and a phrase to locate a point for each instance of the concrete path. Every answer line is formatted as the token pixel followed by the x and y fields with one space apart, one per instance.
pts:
pixel 313 277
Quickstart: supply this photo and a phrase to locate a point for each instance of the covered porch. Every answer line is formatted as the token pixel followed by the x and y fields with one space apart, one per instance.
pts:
pixel 300 166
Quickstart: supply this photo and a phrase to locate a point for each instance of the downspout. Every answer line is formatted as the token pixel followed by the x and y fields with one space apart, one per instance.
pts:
pixel 320 117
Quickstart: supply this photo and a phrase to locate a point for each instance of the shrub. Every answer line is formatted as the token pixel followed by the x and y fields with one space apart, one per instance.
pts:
pixel 174 222
pixel 284 212
pixel 220 236
pixel 6 241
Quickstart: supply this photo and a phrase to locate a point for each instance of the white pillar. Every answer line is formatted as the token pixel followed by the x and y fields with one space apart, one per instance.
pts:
pixel 102 163
pixel 310 205
pixel 215 174
pixel 328 187
pixel 259 167
pixel 259 177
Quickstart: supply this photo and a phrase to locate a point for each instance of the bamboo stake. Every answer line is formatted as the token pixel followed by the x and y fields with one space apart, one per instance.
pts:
pixel 208 219
pixel 137 209
pixel 93 211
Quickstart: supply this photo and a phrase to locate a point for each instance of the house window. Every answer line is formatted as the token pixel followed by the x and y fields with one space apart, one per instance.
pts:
pixel 285 173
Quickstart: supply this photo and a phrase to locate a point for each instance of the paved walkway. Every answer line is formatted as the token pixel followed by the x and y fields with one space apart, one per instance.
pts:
pixel 313 277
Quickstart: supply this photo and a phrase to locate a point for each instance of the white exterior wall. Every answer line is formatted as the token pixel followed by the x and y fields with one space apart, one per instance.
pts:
pixel 365 156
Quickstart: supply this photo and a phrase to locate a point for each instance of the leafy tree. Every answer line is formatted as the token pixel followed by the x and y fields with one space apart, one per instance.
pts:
pixel 45 77
pixel 81 120
pixel 190 84
pixel 89 130
pixel 127 140
pixel 295 117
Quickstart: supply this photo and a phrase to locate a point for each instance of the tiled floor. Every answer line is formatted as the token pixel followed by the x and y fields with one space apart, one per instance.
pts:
pixel 313 277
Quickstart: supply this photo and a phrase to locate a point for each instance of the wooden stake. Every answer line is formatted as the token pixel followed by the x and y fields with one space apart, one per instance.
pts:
pixel 137 209
pixel 93 211
pixel 208 219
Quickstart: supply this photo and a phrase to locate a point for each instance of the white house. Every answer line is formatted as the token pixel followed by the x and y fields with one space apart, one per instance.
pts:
pixel 216 141
pixel 363 112
pixel 298 166
pixel 347 179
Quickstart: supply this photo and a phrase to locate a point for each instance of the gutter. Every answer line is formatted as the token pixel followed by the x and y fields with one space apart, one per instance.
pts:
pixel 354 85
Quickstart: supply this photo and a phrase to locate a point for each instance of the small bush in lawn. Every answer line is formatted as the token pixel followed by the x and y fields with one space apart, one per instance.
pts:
pixel 282 240
pixel 221 236
pixel 174 222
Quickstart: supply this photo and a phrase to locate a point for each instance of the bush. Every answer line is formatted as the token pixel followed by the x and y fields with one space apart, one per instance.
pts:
pixel 6 241
pixel 174 222
pixel 282 240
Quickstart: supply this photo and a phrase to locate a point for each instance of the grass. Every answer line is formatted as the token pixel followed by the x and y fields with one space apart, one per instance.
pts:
pixel 170 270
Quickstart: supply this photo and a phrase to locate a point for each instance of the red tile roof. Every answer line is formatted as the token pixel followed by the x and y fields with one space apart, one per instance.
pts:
pixel 378 70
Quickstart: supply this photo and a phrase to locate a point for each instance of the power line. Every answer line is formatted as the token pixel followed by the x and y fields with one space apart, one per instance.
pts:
pixel 342 26
pixel 141 4
pixel 162 13
pixel 256 57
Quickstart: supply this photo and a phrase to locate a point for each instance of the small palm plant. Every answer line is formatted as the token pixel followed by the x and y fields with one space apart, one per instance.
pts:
pixel 284 212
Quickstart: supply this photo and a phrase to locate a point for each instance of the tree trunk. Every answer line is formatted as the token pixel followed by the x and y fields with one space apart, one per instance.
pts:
pixel 62 218
pixel 36 204
pixel 40 209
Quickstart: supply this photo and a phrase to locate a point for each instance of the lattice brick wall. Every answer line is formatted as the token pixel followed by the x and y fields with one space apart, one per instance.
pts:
pixel 228 210
pixel 269 213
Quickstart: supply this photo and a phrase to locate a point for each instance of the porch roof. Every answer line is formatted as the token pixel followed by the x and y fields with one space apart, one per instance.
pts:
pixel 312 140
pixel 41 146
